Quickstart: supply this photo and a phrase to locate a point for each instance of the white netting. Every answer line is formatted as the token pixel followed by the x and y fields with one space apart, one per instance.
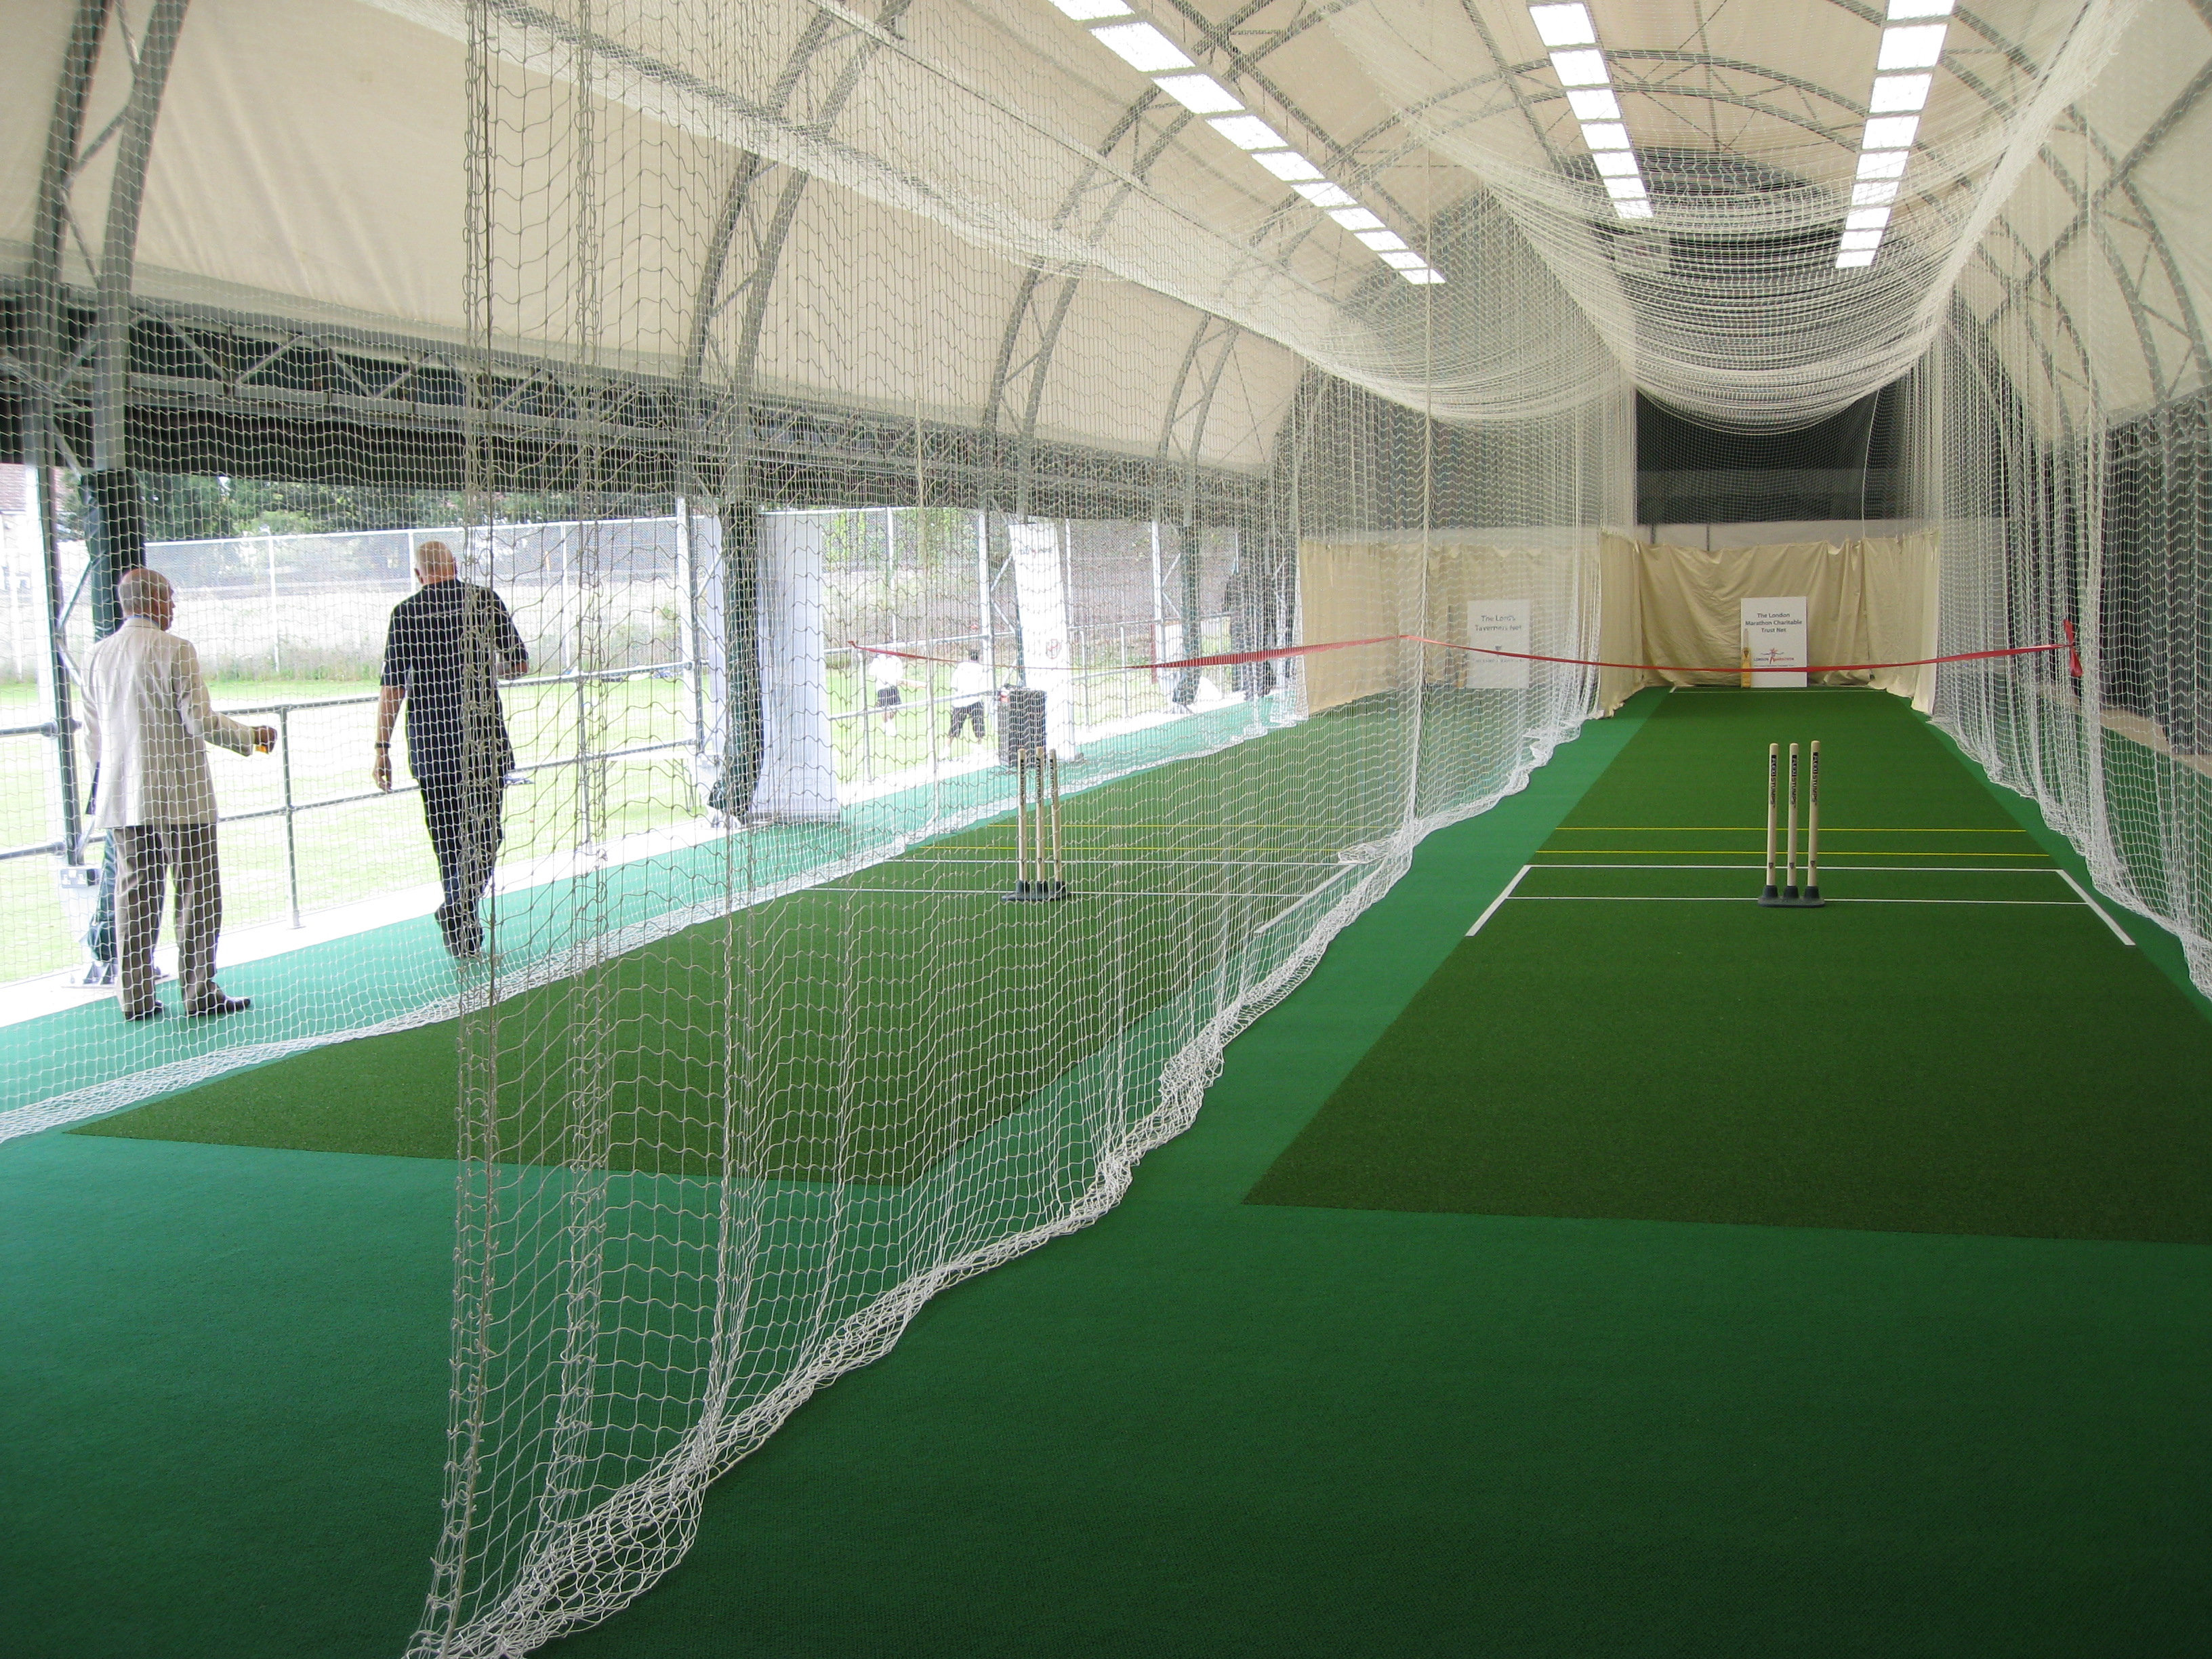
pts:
pixel 826 394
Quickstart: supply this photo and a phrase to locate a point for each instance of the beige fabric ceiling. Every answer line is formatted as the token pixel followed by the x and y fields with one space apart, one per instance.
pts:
pixel 311 164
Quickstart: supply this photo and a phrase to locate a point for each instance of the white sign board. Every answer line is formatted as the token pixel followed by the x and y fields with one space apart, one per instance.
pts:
pixel 1042 595
pixel 1497 625
pixel 1774 642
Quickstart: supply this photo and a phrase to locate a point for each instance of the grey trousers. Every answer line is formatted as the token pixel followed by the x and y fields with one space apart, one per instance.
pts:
pixel 151 856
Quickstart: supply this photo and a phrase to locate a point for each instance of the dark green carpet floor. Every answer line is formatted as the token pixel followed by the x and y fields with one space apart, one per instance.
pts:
pixel 1957 1044
pixel 1200 1427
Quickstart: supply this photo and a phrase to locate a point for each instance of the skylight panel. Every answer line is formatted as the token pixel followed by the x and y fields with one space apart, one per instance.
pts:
pixel 1141 46
pixel 1597 104
pixel 1085 11
pixel 1626 189
pixel 1903 9
pixel 1201 94
pixel 1562 26
pixel 1605 135
pixel 1423 276
pixel 1321 193
pixel 1860 241
pixel 1854 259
pixel 1919 47
pixel 1249 132
pixel 1882 163
pixel 1616 163
pixel 1383 241
pixel 1890 132
pixel 1287 165
pixel 1900 92
pixel 1873 195
pixel 1871 218
pixel 1357 218
pixel 1405 261
pixel 1585 68
pixel 1637 209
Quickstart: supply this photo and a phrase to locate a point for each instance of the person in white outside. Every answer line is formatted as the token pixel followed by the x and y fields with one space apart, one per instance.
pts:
pixel 148 720
pixel 889 673
pixel 971 688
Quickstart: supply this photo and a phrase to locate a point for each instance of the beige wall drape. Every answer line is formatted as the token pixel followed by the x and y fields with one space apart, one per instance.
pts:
pixel 1382 589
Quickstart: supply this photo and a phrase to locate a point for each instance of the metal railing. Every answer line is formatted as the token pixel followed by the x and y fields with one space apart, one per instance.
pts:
pixel 290 807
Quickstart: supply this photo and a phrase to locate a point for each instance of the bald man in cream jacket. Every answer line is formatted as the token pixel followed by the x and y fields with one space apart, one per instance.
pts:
pixel 148 721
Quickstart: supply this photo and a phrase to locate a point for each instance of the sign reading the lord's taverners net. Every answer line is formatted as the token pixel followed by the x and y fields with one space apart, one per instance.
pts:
pixel 1774 642
pixel 1497 625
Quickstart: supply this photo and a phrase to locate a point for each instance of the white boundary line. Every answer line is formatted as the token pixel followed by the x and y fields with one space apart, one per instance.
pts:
pixel 2118 932
pixel 1499 900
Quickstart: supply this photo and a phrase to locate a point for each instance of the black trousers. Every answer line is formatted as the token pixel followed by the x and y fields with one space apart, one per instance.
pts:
pixel 964 712
pixel 463 814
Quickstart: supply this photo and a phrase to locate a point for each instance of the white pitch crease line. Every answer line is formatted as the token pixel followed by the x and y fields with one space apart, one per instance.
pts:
pixel 2118 932
pixel 1829 869
pixel 1499 900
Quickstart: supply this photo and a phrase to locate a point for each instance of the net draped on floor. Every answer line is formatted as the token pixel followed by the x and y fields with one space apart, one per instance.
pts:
pixel 824 345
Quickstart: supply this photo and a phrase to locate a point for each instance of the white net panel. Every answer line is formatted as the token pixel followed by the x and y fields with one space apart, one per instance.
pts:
pixel 733 1113
pixel 2062 446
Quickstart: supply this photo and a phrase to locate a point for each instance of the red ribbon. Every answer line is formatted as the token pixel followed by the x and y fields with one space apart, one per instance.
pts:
pixel 1231 659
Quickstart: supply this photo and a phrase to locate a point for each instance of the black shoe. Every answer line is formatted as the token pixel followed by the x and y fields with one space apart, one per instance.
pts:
pixel 157 1011
pixel 220 1007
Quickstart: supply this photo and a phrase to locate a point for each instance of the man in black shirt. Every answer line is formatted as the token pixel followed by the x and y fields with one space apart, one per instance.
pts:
pixel 450 644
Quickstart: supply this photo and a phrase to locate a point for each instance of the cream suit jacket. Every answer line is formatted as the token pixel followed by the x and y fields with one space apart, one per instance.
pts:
pixel 147 721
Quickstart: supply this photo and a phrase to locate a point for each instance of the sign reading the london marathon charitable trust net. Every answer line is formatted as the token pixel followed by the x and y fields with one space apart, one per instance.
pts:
pixel 1497 625
pixel 1773 642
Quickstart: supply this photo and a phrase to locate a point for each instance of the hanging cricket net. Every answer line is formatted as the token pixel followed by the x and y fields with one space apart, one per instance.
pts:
pixel 732 1115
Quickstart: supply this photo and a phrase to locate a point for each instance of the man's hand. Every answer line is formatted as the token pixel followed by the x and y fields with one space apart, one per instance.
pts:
pixel 382 770
pixel 264 737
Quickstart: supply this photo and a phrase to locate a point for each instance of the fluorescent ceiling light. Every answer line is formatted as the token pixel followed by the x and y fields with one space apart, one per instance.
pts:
pixel 1626 189
pixel 1587 69
pixel 1854 259
pixel 1357 219
pixel 1890 132
pixel 1249 132
pixel 1201 94
pixel 1596 105
pixel 1853 240
pixel 1883 163
pixel 1562 26
pixel 1638 210
pixel 1900 92
pixel 1920 46
pixel 1287 165
pixel 1615 163
pixel 1404 261
pixel 1141 46
pixel 1605 135
pixel 1873 218
pixel 1899 8
pixel 1383 241
pixel 1424 278
pixel 1321 193
pixel 1873 195
pixel 1084 11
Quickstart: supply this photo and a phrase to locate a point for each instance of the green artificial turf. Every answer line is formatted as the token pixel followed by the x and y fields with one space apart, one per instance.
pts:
pixel 860 1030
pixel 1908 1065
pixel 1199 1427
